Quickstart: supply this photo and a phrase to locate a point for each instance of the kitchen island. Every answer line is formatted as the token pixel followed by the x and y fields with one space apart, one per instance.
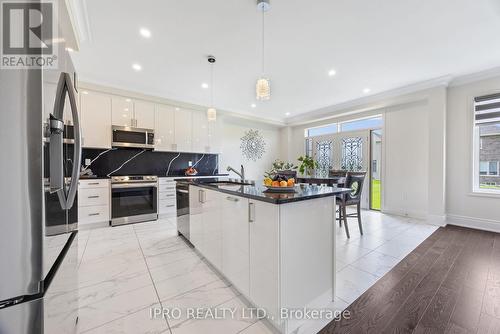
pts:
pixel 277 249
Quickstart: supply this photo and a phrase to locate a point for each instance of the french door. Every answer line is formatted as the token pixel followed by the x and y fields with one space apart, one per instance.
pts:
pixel 343 151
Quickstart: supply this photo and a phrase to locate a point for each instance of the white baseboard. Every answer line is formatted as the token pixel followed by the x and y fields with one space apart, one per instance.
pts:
pixel 438 220
pixel 414 215
pixel 473 222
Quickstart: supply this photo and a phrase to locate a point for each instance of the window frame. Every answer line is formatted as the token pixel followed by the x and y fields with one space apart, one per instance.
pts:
pixel 476 143
pixel 338 125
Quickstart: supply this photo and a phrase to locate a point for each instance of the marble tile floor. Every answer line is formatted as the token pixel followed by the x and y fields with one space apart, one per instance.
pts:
pixel 126 271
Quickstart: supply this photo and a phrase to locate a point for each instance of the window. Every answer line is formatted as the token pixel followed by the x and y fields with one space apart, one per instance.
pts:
pixel 353 125
pixel 487 143
pixel 361 124
pixel 309 147
pixel 322 130
pixel 488 168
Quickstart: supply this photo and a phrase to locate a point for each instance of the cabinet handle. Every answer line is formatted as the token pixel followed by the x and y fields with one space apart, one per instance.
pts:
pixel 170 206
pixel 93 183
pixel 93 197
pixel 234 199
pixel 201 196
pixel 251 212
pixel 170 195
pixel 94 214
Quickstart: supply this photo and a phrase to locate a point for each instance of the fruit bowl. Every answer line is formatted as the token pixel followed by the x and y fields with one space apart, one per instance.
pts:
pixel 279 183
pixel 280 189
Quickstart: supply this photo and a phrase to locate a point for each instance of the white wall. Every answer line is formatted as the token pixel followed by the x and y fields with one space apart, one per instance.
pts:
pixel 234 129
pixel 465 208
pixel 414 146
pixel 405 143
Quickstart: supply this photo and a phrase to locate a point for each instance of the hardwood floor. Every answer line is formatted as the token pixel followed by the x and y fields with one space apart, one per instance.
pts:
pixel 449 284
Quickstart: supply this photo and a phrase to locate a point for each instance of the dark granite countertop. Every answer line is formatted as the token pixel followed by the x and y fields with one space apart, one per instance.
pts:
pixel 257 192
pixel 94 177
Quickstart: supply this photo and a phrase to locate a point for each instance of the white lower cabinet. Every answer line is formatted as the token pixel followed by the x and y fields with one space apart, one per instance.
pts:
pixel 167 199
pixel 93 201
pixel 239 237
pixel 264 259
pixel 235 241
pixel 195 218
pixel 212 227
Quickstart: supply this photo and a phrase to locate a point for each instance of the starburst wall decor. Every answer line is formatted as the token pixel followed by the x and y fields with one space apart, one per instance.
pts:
pixel 253 145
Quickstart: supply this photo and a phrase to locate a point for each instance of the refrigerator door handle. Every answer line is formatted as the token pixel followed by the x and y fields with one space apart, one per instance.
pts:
pixel 56 150
pixel 56 128
pixel 77 152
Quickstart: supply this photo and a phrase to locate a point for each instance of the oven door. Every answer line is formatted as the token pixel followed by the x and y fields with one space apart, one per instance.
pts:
pixel 131 203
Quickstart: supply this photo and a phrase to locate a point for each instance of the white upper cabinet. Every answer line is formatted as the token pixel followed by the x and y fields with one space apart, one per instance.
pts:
pixel 165 128
pixel 49 98
pixel 144 115
pixel 176 129
pixel 96 120
pixel 127 112
pixel 183 130
pixel 200 132
pixel 123 111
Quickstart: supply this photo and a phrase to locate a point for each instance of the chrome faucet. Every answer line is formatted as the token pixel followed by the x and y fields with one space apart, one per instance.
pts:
pixel 240 174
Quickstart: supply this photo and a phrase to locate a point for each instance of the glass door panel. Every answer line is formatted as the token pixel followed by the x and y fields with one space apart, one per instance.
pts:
pixel 376 170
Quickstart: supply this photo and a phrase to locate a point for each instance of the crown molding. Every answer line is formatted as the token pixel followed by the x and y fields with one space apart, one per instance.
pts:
pixel 368 103
pixel 106 89
pixel 474 77
pixel 80 19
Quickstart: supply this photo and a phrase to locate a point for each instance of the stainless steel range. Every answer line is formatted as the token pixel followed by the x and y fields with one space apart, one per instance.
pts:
pixel 134 199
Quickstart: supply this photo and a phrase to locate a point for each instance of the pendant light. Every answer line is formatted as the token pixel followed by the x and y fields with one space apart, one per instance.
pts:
pixel 211 111
pixel 263 86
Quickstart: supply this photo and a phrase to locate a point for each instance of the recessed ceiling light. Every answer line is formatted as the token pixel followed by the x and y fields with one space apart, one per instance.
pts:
pixel 85 92
pixel 366 90
pixel 332 73
pixel 204 85
pixel 146 33
pixel 137 67
pixel 253 105
pixel 287 114
pixel 128 100
pixel 177 109
pixel 126 109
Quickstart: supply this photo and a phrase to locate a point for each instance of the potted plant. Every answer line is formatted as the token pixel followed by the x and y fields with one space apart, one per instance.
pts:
pixel 307 165
pixel 282 168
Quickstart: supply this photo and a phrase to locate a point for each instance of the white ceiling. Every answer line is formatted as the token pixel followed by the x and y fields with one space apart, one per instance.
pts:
pixel 377 44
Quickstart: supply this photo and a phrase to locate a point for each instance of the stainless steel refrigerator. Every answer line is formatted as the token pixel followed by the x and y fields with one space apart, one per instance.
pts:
pixel 39 166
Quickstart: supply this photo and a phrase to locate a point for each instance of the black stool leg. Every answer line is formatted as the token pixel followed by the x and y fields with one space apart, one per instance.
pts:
pixel 340 216
pixel 359 219
pixel 344 215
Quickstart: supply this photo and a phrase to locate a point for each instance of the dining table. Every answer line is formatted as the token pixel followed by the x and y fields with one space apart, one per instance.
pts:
pixel 331 181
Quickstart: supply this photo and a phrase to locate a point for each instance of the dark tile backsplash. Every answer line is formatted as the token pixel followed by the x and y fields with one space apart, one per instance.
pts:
pixel 148 162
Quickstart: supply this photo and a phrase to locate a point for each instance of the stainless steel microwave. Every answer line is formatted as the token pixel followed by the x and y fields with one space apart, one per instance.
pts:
pixel 126 136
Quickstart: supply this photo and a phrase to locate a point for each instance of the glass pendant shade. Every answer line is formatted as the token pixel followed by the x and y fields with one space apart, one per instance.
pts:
pixel 211 114
pixel 263 89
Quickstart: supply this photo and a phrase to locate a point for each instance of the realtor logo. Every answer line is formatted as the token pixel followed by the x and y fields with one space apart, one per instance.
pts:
pixel 28 35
